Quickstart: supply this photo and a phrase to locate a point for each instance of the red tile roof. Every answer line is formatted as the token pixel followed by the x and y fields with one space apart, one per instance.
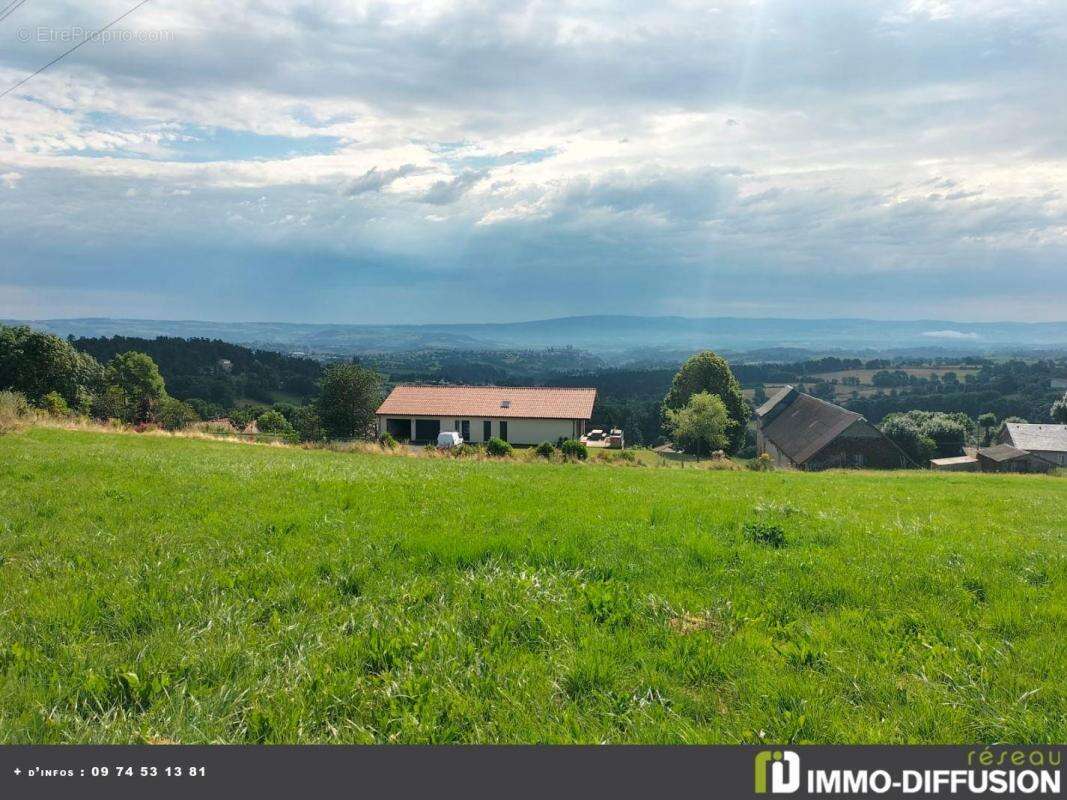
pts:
pixel 489 401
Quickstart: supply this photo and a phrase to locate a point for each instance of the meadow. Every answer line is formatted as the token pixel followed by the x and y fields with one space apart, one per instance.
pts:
pixel 162 589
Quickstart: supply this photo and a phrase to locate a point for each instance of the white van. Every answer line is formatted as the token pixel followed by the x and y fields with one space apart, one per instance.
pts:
pixel 447 439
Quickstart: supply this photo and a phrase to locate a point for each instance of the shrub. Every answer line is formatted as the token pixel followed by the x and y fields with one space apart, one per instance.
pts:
pixel 498 447
pixel 572 448
pixel 465 450
pixel 545 450
pixel 387 441
pixel 764 533
pixel 273 422
pixel 305 421
pixel 55 405
pixel 762 463
pixel 175 415
pixel 702 426
pixel 14 411
pixel 627 455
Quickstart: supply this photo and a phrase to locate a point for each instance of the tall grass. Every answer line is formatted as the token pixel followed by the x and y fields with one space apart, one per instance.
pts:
pixel 161 588
pixel 15 412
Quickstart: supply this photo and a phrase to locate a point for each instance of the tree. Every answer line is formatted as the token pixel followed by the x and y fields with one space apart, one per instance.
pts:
pixel 986 423
pixel 948 434
pixel 111 403
pixel 308 426
pixel 703 426
pixel 175 415
pixel 905 433
pixel 273 422
pixel 708 372
pixel 55 405
pixel 36 363
pixel 138 377
pixel 348 398
pixel 1059 410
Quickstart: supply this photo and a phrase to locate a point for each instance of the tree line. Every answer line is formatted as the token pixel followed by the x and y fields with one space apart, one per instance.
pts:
pixel 55 376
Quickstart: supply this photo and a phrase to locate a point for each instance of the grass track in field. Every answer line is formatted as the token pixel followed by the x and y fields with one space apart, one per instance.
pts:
pixel 157 588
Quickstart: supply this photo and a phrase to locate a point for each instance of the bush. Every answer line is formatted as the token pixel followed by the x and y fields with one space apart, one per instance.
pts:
pixel 498 447
pixel 305 421
pixel 762 463
pixel 545 450
pixel 175 415
pixel 386 440
pixel 14 411
pixel 572 448
pixel 465 450
pixel 55 405
pixel 273 422
pixel 627 455
pixel 764 533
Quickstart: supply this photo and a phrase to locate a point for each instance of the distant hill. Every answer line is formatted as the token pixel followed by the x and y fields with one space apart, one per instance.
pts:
pixel 613 336
pixel 216 371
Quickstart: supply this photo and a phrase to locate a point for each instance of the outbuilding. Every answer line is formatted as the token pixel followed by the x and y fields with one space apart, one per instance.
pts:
pixel 521 415
pixel 803 432
pixel 1005 458
pixel 1046 441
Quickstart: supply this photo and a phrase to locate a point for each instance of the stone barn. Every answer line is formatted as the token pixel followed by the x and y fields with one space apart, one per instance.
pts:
pixel 799 431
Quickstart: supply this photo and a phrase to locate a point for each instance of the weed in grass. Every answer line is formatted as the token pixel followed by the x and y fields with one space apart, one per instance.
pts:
pixel 765 533
pixel 608 604
pixel 590 674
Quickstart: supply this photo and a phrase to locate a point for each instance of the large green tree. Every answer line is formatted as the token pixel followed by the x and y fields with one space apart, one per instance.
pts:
pixel 702 426
pixel 138 377
pixel 36 363
pixel 349 396
pixel 708 372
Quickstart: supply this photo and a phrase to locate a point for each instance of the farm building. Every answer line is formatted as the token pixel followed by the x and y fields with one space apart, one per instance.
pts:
pixel 520 415
pixel 955 464
pixel 1005 458
pixel 803 432
pixel 1047 441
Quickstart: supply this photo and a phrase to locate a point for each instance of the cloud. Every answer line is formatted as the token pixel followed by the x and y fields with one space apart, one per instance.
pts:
pixel 951 334
pixel 374 180
pixel 778 157
pixel 445 192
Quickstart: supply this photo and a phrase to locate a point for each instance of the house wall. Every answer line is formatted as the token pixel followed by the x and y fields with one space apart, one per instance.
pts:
pixel 520 430
pixel 1022 464
pixel 861 445
pixel 765 445
pixel 1055 456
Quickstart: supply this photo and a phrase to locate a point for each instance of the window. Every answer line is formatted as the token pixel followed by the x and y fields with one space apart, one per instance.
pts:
pixel 487 431
pixel 465 430
pixel 503 430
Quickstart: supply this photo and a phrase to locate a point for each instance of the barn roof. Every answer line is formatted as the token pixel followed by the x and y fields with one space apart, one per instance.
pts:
pixel 1052 438
pixel 800 425
pixel 489 401
pixel 774 401
pixel 1001 452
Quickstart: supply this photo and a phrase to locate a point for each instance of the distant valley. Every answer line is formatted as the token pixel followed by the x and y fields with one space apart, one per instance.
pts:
pixel 619 339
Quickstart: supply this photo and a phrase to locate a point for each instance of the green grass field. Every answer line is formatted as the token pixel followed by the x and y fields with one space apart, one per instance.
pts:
pixel 168 589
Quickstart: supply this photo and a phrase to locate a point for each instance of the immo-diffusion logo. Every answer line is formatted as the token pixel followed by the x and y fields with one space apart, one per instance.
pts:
pixel 784 769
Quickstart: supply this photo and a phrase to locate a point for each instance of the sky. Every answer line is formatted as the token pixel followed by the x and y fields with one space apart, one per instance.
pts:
pixel 266 160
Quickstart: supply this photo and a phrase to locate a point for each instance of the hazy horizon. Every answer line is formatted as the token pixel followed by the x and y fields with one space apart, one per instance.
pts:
pixel 433 323
pixel 458 162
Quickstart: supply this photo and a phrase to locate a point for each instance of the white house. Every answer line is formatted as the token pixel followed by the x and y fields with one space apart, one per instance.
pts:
pixel 520 415
pixel 1047 441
